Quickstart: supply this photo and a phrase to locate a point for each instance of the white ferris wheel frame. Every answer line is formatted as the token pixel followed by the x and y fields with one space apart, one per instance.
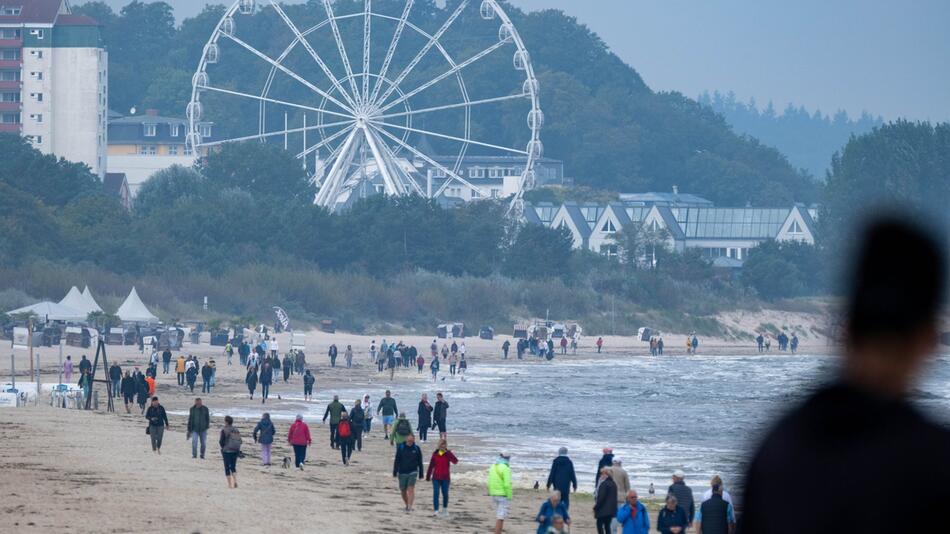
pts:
pixel 373 97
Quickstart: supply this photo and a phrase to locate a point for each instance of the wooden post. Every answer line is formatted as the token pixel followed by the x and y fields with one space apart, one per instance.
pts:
pixel 29 332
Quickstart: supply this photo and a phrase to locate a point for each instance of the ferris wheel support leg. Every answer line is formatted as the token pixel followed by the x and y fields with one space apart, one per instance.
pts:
pixel 392 187
pixel 336 175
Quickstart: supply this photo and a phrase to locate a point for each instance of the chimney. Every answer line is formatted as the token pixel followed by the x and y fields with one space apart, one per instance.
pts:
pixel 151 112
pixel 676 190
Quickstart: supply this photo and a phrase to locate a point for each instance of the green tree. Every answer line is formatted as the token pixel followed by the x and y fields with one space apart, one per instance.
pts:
pixel 539 252
pixel 166 186
pixel 259 169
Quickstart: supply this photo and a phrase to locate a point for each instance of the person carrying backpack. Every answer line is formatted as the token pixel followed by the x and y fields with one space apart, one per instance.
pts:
pixel 401 430
pixel 230 442
pixel 334 411
pixel 308 381
pixel 344 438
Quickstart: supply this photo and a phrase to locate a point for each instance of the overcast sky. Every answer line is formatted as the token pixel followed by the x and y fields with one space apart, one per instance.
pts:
pixel 889 57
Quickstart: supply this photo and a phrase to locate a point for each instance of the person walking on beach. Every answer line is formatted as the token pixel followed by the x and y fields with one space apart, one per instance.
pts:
pixel 229 351
pixel 299 438
pixel 348 356
pixel 716 480
pixel 367 415
pixel 267 378
pixel 191 376
pixel 463 366
pixel 453 361
pixel 716 516
pixel 551 507
pixel 288 367
pixel 157 423
pixel 206 378
pixel 407 468
pixel 199 420
pixel 128 390
pixel 439 472
pixel 424 414
pixel 600 344
pixel 332 354
pixel 420 363
pixel 387 407
pixel 141 390
pixel 85 383
pixel 633 516
pixel 683 494
pixel 149 379
pixel 439 414
pixel 605 502
pixel 357 420
pixel 230 442
pixel 264 432
pixel 434 366
pixel 344 437
pixel 671 519
pixel 308 381
pixel 166 360
pixel 115 377
pixel 562 477
pixel 401 430
pixel 391 362
pixel 84 364
pixel 180 369
pixel 607 460
pixel 504 349
pixel 68 369
pixel 334 410
pixel 251 380
pixel 622 481
pixel 499 489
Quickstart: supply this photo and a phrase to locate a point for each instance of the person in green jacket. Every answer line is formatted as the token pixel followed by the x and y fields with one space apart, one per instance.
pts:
pixel 334 410
pixel 199 420
pixel 401 430
pixel 499 489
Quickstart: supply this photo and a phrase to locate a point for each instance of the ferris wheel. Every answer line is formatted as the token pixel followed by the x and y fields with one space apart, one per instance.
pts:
pixel 383 92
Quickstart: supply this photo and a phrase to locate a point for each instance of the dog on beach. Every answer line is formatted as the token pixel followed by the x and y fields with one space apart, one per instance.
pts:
pixel 286 463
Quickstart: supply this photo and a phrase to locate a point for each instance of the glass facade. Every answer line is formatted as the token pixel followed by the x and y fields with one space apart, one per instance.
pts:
pixel 730 223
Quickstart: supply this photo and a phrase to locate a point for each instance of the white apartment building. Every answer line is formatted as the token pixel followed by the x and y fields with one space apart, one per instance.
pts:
pixel 54 80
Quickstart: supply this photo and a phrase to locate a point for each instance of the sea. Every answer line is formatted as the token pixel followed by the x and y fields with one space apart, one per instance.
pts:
pixel 700 414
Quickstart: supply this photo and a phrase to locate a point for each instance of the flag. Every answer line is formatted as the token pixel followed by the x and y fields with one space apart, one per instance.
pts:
pixel 282 317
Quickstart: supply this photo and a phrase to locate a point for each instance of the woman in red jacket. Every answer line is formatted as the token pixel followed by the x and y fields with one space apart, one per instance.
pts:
pixel 438 473
pixel 299 437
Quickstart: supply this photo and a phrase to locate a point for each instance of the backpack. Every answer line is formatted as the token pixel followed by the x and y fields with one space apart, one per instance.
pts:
pixel 232 443
pixel 343 430
pixel 403 428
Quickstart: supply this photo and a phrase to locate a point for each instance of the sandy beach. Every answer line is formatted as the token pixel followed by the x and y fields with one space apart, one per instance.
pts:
pixel 78 471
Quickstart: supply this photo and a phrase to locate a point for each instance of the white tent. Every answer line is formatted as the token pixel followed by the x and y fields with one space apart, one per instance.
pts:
pixel 133 310
pixel 51 311
pixel 91 303
pixel 75 300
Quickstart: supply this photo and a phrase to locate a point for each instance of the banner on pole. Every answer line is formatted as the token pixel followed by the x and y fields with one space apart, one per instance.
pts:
pixel 282 317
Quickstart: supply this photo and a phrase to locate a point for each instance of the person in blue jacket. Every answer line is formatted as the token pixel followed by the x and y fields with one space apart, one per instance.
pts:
pixel 562 476
pixel 551 507
pixel 633 516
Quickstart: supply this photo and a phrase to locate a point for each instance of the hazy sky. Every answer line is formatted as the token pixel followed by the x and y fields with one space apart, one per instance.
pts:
pixel 888 57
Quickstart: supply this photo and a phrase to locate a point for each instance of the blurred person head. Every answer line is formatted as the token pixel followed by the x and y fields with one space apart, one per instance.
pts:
pixel 896 292
pixel 632 498
pixel 671 502
pixel 557 522
pixel 554 497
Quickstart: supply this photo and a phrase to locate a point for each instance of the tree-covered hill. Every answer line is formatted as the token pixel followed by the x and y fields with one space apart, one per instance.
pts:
pixel 611 130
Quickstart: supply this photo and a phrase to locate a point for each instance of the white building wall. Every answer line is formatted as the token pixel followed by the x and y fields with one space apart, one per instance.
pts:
pixel 78 106
pixel 138 168
pixel 37 116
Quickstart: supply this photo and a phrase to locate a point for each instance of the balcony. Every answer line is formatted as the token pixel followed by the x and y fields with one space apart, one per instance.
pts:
pixel 11 106
pixel 9 128
pixel 11 43
pixel 11 85
pixel 11 63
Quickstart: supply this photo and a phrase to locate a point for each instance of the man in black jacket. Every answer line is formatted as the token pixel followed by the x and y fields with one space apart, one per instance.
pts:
pixel 407 466
pixel 157 423
pixel 166 360
pixel 854 438
pixel 605 505
pixel 115 375
pixel 439 414
pixel 683 494
pixel 199 420
pixel 562 476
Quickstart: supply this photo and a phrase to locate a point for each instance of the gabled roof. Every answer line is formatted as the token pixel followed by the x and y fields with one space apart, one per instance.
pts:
pixel 672 225
pixel 51 311
pixel 34 11
pixel 113 182
pixel 530 215
pixel 577 218
pixel 672 199
pixel 620 212
pixel 809 220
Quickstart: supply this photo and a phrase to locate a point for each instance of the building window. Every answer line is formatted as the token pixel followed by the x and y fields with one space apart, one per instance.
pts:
pixel 9 33
pixel 204 130
pixel 9 118
pixel 36 75
pixel 10 54
pixel 474 193
pixel 495 192
pixel 149 130
pixel 173 129
pixel 654 226
pixel 9 97
pixel 795 228
pixel 172 150
pixel 609 250
pixel 9 75
pixel 38 117
pixel 10 11
pixel 37 96
pixel 148 150
pixel 609 227
pixel 188 150
pixel 38 33
pixel 38 54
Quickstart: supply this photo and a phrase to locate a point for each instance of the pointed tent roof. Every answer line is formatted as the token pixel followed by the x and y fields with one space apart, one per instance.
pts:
pixel 52 311
pixel 91 303
pixel 74 300
pixel 134 310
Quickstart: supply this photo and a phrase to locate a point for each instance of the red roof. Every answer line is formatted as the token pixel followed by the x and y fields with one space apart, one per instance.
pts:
pixel 34 11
